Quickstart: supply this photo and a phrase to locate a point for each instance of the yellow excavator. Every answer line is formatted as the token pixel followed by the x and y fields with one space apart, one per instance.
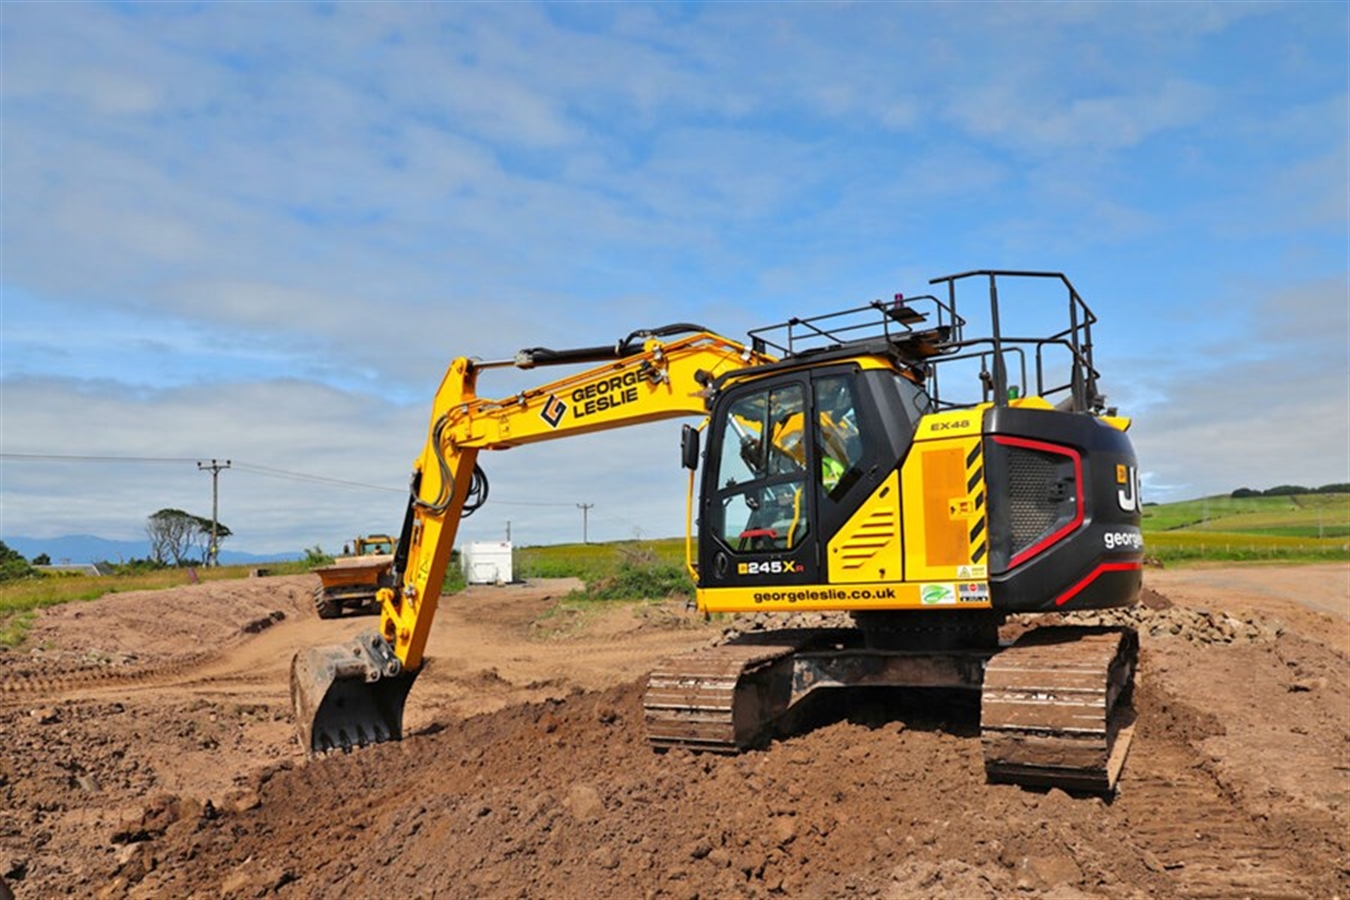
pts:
pixel 832 471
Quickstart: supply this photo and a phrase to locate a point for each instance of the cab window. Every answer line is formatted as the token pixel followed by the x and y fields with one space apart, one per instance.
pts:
pixel 760 501
pixel 839 446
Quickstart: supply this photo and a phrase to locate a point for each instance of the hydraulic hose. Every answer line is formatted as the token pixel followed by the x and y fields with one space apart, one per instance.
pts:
pixel 478 482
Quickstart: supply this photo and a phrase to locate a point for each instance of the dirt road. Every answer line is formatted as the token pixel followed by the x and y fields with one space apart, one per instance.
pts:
pixel 146 751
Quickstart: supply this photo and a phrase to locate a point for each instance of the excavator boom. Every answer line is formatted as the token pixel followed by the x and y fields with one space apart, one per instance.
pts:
pixel 354 694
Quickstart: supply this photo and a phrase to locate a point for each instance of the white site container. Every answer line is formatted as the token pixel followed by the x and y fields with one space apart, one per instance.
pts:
pixel 487 562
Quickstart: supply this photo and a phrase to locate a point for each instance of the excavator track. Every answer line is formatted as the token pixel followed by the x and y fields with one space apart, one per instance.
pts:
pixel 729 698
pixel 1055 708
pixel 719 699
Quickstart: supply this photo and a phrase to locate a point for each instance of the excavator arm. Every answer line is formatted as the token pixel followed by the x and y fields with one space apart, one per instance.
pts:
pixel 353 694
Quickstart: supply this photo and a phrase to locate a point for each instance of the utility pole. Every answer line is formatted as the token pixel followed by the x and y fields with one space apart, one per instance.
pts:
pixel 508 531
pixel 585 509
pixel 214 468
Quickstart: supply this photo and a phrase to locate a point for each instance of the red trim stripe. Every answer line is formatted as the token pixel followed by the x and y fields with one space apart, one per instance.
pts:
pixel 1054 537
pixel 1104 567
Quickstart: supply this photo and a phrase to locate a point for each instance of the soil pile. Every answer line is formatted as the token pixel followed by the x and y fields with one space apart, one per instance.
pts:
pixel 148 752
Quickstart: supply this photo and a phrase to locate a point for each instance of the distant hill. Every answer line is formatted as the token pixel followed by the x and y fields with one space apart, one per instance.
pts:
pixel 88 548
pixel 1312 515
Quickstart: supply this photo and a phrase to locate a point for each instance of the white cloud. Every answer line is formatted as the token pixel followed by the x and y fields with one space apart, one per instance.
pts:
pixel 338 439
pixel 1033 118
pixel 1274 410
pixel 264 230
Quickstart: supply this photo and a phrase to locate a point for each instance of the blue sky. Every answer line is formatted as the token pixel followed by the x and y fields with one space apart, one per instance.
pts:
pixel 262 231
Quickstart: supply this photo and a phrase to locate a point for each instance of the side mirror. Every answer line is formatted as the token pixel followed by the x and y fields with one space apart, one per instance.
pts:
pixel 689 447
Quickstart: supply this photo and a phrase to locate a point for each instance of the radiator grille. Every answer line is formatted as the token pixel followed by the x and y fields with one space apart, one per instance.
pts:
pixel 1034 511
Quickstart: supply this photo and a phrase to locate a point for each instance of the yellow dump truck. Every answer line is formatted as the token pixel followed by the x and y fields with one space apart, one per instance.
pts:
pixel 351 582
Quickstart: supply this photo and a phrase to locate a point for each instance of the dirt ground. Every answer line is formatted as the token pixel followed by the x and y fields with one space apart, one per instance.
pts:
pixel 146 750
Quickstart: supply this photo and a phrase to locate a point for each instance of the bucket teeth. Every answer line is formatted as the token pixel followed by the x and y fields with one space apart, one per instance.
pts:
pixel 348 695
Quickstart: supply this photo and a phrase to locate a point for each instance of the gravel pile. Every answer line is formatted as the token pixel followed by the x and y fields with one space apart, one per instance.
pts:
pixel 750 623
pixel 1198 626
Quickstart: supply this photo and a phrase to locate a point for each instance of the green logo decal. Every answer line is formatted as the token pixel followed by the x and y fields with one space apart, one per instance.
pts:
pixel 933 594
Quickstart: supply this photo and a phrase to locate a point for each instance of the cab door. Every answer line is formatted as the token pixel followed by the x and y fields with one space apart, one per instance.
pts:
pixel 757 507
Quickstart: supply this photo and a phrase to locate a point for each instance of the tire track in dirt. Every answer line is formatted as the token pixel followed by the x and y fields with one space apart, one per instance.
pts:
pixel 64 683
pixel 90 682
pixel 1187 827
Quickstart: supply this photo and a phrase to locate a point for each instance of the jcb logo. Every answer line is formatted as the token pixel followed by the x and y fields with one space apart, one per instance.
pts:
pixel 1128 494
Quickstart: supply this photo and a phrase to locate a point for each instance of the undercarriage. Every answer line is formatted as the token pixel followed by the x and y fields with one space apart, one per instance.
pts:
pixel 1054 703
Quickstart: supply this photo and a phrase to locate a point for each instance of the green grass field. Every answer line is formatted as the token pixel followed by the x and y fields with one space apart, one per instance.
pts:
pixel 1299 528
pixel 591 561
pixel 1220 546
pixel 628 570
pixel 1302 516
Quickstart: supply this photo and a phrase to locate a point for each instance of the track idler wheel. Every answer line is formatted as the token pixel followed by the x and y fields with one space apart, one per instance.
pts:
pixel 349 695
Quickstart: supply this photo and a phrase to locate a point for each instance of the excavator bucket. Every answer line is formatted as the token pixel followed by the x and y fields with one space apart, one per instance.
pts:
pixel 349 695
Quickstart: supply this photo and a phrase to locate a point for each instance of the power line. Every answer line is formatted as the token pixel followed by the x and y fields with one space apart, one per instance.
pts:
pixel 251 468
pixel 270 472
pixel 529 503
pixel 61 457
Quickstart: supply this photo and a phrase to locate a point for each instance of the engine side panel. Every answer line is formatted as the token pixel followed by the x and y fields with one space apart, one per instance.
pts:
pixel 1064 512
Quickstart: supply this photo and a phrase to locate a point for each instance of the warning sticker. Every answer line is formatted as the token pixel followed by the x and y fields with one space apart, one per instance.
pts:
pixel 972 592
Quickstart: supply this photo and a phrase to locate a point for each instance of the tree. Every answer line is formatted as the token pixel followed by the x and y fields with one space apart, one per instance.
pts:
pixel 170 532
pixel 202 539
pixel 314 556
pixel 12 563
pixel 174 533
pixel 42 559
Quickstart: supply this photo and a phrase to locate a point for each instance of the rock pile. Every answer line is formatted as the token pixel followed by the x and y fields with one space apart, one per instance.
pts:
pixel 749 623
pixel 1155 617
pixel 1198 626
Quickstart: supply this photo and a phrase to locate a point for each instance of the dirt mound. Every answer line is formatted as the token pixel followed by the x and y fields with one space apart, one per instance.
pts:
pixel 139 629
pixel 526 772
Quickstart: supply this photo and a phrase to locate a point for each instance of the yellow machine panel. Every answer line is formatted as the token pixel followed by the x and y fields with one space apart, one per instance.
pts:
pixel 867 595
pixel 954 423
pixel 867 548
pixel 945 537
